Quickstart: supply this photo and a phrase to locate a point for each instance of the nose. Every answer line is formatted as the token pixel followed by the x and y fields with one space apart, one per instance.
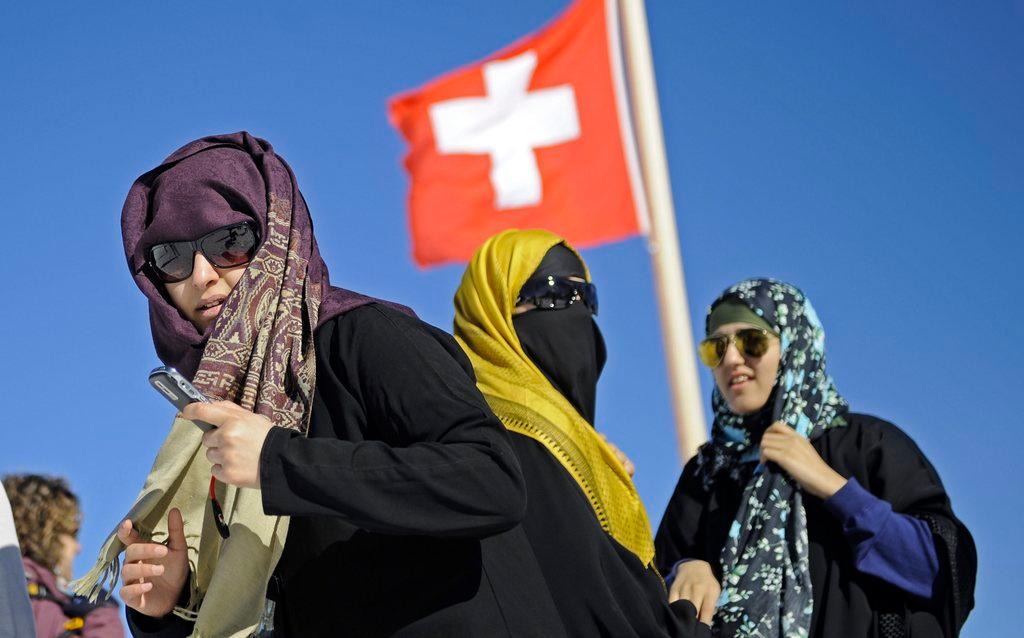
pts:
pixel 203 272
pixel 732 355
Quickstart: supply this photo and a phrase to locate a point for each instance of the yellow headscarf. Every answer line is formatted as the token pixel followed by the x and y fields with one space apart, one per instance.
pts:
pixel 523 398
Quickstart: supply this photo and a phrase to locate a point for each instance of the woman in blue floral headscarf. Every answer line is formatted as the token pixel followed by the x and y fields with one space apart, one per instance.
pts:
pixel 800 518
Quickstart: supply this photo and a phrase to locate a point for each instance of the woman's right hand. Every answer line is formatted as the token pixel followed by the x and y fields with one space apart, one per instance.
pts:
pixel 154 574
pixel 696 583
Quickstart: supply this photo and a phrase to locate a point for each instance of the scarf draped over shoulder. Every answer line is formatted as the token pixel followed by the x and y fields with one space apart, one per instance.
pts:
pixel 258 353
pixel 523 398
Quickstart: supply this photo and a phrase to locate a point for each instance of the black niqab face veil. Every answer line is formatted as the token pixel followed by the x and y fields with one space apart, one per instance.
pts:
pixel 565 344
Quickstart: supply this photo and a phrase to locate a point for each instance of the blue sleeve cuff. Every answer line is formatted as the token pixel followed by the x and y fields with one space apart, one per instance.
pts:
pixel 849 500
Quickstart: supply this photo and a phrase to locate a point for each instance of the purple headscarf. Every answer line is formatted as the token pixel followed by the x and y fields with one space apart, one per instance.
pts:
pixel 209 183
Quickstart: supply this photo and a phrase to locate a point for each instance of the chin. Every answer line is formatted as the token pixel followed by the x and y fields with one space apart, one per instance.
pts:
pixel 745 405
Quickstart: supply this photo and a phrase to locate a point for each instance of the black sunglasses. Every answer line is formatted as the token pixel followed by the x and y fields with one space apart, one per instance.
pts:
pixel 555 293
pixel 752 342
pixel 224 247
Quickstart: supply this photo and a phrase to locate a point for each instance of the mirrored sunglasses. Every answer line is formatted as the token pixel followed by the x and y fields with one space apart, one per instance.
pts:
pixel 751 342
pixel 224 247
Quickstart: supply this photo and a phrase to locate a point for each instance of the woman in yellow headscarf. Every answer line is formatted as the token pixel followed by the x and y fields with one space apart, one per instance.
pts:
pixel 523 314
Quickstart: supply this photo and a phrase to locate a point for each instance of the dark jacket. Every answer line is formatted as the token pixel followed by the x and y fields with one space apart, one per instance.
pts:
pixel 405 497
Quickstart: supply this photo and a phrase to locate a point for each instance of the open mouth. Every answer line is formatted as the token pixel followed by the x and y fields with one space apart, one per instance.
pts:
pixel 211 305
pixel 739 380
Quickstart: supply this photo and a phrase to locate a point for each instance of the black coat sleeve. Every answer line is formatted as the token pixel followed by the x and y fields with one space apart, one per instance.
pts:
pixel 169 626
pixel 441 464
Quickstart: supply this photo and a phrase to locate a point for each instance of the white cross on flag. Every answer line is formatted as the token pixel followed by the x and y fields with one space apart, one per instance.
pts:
pixel 535 136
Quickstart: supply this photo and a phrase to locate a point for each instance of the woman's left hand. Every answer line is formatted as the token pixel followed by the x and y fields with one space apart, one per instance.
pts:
pixel 795 454
pixel 234 445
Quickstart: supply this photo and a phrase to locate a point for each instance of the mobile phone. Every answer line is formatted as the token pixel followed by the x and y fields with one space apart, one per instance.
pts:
pixel 180 392
pixel 177 390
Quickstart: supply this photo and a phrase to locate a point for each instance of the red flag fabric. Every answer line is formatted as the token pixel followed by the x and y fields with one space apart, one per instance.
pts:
pixel 535 136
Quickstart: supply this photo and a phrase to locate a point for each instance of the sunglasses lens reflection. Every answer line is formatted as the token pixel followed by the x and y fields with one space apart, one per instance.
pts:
pixel 753 343
pixel 172 261
pixel 229 247
pixel 712 350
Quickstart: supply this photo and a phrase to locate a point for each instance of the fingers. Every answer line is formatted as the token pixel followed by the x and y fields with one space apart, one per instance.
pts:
pixel 175 530
pixel 779 433
pixel 144 552
pixel 630 468
pixel 675 592
pixel 216 413
pixel 134 595
pixel 782 444
pixel 127 534
pixel 136 571
pixel 137 550
pixel 215 456
pixel 686 592
pixel 778 442
pixel 778 437
pixel 624 461
pixel 212 438
pixel 232 422
pixel 706 608
pixel 778 454
pixel 703 595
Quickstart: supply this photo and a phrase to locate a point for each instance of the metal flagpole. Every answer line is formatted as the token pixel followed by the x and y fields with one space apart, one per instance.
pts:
pixel 663 242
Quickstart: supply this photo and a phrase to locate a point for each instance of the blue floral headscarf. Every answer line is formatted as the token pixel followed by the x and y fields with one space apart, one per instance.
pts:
pixel 766 584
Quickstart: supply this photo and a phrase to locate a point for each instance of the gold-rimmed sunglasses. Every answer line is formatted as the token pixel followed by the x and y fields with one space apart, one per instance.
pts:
pixel 752 342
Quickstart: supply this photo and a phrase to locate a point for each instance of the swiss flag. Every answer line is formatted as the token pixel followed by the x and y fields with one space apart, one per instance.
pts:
pixel 535 136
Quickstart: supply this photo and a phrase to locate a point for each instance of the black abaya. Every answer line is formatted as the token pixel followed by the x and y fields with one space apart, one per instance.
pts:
pixel 600 587
pixel 847 603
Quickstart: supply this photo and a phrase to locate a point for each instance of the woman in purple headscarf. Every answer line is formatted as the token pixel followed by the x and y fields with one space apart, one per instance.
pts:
pixel 355 419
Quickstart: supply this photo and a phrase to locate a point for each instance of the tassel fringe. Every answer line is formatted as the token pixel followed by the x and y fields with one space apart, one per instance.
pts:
pixel 99 578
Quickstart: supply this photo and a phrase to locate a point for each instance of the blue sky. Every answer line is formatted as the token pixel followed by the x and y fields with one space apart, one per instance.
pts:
pixel 870 153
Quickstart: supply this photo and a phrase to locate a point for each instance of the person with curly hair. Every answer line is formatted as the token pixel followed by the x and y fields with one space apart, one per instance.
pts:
pixel 47 517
